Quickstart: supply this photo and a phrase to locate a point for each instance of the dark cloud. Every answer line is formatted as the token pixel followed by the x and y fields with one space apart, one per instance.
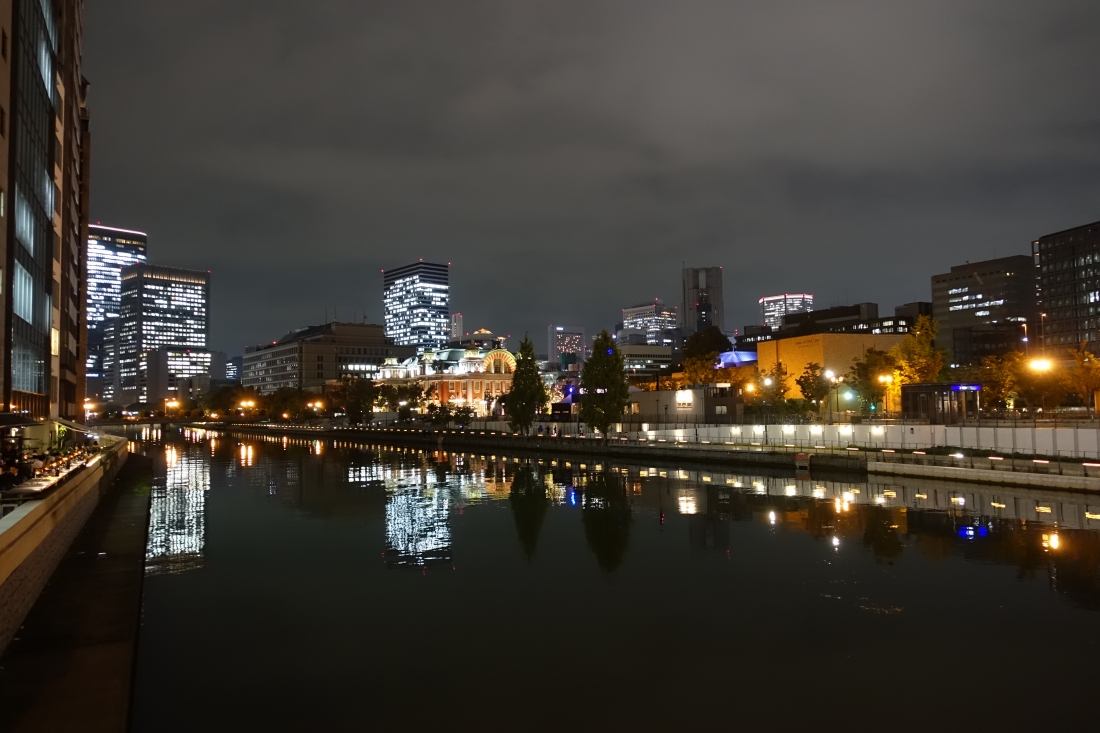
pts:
pixel 568 156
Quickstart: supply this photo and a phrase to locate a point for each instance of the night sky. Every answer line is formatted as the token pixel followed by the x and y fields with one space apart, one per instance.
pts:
pixel 566 157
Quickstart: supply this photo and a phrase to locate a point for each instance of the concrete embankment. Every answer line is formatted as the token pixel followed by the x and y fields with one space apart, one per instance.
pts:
pixel 36 534
pixel 985 476
pixel 998 471
pixel 70 666
pixel 632 451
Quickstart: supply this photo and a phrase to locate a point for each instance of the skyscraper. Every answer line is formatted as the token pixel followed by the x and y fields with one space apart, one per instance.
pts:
pixel 43 199
pixel 163 330
pixel 774 307
pixel 109 250
pixel 416 299
pixel 653 318
pixel 703 304
pixel 563 340
pixel 456 326
pixel 1068 265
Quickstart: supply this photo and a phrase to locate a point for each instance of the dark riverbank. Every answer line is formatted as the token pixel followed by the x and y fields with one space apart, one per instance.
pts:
pixel 71 665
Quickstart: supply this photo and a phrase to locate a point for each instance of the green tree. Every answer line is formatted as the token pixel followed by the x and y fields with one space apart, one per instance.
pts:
pixel 773 386
pixel 917 358
pixel 225 400
pixel 528 396
pixel 463 416
pixel 706 342
pixel 813 383
pixel 354 397
pixel 999 377
pixel 1044 388
pixel 403 398
pixel 287 401
pixel 864 378
pixel 604 390
pixel 440 414
pixel 701 369
pixel 1083 376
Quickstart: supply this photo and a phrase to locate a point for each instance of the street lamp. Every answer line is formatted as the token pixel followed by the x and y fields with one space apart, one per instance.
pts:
pixel 836 380
pixel 886 380
pixel 1041 366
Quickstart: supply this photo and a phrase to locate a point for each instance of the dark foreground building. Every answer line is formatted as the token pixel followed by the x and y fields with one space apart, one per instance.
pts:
pixel 43 204
pixel 1069 287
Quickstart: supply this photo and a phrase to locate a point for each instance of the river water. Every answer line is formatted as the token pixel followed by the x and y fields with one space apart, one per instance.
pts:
pixel 296 585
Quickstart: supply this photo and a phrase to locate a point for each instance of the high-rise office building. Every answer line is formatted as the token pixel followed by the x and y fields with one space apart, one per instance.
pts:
pixel 651 318
pixel 774 307
pixel 981 304
pixel 233 368
pixel 163 327
pixel 43 201
pixel 109 250
pixel 1068 265
pixel 417 300
pixel 456 327
pixel 564 341
pixel 703 304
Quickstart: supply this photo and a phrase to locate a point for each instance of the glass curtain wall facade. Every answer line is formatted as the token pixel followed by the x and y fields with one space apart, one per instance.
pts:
pixel 43 201
pixel 33 198
pixel 162 308
pixel 653 318
pixel 109 251
pixel 417 303
pixel 774 307
pixel 1069 288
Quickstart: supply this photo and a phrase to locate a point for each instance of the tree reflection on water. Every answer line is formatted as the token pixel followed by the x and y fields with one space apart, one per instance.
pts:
pixel 607 519
pixel 529 504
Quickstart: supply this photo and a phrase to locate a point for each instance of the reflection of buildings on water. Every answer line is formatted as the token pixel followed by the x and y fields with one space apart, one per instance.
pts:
pixel 420 495
pixel 418 530
pixel 177 509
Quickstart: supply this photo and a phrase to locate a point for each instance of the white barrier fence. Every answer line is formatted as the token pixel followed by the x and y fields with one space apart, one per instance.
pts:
pixel 1030 440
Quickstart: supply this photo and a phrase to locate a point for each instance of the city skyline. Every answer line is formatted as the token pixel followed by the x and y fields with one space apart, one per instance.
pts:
pixel 601 154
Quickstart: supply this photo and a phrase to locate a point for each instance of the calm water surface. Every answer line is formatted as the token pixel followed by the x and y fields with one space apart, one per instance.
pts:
pixel 321 586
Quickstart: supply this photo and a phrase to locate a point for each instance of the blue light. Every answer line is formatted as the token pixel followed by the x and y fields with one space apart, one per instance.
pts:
pixel 609 351
pixel 983 531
